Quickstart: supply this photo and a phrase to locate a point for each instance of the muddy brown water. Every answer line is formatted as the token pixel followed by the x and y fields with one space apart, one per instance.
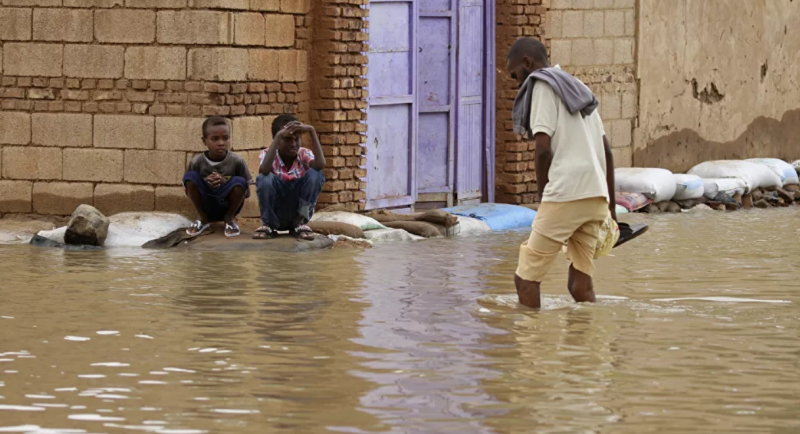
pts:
pixel 419 337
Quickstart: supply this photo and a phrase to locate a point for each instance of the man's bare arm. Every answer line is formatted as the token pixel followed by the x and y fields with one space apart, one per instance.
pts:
pixel 544 156
pixel 612 203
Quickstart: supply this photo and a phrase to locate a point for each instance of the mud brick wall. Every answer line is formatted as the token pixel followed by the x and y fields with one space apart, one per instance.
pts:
pixel 101 101
pixel 592 39
pixel 595 40
pixel 514 167
pixel 339 93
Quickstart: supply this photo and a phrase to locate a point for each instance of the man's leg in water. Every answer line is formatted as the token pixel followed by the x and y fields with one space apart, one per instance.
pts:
pixel 582 245
pixel 581 286
pixel 536 256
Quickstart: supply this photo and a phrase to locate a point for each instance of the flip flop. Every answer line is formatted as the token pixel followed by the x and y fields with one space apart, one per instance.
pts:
pixel 196 228
pixel 232 230
pixel 303 232
pixel 264 233
pixel 629 232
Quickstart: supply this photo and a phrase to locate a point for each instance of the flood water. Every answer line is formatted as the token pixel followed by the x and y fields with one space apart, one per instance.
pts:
pixel 696 331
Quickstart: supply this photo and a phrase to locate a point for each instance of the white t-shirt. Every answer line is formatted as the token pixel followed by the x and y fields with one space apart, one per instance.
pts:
pixel 578 168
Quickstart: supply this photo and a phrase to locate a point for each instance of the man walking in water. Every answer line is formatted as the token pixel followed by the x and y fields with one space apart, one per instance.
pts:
pixel 574 171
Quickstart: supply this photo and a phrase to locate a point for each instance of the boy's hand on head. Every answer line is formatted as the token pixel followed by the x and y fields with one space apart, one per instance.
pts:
pixel 289 130
pixel 303 128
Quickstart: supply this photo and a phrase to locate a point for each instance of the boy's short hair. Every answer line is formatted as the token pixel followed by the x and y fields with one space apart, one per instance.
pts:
pixel 281 122
pixel 213 121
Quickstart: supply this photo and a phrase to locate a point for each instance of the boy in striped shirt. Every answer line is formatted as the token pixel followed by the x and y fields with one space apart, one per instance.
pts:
pixel 290 180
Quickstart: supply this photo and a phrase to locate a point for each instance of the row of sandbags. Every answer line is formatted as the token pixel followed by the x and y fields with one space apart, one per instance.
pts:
pixel 378 224
pixel 712 180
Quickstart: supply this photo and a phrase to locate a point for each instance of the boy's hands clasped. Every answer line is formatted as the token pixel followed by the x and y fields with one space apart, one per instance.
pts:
pixel 214 180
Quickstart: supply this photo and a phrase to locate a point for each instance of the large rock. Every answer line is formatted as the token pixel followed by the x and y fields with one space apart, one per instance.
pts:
pixel 87 226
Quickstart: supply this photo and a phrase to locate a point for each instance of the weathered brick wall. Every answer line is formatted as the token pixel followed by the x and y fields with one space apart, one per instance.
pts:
pixel 592 39
pixel 514 167
pixel 339 98
pixel 101 101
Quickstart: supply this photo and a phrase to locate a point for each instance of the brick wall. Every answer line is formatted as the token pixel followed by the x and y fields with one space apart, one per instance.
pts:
pixel 101 101
pixel 592 39
pixel 339 98
pixel 514 167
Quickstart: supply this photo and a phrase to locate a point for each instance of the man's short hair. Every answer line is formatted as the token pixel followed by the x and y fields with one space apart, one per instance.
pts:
pixel 213 121
pixel 528 47
pixel 281 122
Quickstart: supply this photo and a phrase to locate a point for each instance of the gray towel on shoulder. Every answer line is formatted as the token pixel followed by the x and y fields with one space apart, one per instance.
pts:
pixel 575 95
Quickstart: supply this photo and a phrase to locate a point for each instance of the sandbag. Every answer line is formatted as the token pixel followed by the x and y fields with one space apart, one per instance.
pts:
pixel 688 187
pixel 787 173
pixel 134 229
pixel 438 217
pixel 498 216
pixel 363 222
pixel 754 175
pixel 383 216
pixel 621 210
pixel 390 235
pixel 656 184
pixel 632 201
pixel 729 186
pixel 336 228
pixel 796 165
pixel 422 229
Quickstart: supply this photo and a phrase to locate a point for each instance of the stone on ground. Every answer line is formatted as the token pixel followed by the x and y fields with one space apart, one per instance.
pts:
pixel 87 226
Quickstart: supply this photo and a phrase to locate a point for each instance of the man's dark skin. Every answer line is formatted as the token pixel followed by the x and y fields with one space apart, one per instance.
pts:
pixel 218 140
pixel 521 65
pixel 287 144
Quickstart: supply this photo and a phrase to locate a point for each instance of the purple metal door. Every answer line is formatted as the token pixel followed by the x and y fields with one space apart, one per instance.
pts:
pixel 430 134
pixel 470 141
pixel 436 100
pixel 392 112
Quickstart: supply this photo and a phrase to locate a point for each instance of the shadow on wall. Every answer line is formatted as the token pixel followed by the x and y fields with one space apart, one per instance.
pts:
pixel 764 137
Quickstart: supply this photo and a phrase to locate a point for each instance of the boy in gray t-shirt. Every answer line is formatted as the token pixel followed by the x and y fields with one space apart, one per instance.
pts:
pixel 217 180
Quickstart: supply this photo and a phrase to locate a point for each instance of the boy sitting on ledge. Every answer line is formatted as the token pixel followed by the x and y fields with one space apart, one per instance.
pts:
pixel 290 180
pixel 217 180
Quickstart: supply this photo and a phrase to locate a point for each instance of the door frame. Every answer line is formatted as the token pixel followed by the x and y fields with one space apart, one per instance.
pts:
pixel 490 99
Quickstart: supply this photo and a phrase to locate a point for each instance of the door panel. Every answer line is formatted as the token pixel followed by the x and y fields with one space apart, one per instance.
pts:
pixel 435 96
pixel 390 160
pixel 391 135
pixel 470 114
pixel 432 162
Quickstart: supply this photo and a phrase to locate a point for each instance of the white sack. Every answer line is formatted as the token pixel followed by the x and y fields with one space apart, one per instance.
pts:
pixel 754 175
pixel 656 184
pixel 688 187
pixel 787 173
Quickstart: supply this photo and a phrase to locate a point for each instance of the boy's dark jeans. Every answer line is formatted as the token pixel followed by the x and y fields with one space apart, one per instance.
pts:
pixel 281 202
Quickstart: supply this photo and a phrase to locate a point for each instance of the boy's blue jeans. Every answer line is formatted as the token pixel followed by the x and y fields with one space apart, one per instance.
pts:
pixel 281 202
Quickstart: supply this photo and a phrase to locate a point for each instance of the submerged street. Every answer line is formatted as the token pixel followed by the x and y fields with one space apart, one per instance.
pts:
pixel 695 329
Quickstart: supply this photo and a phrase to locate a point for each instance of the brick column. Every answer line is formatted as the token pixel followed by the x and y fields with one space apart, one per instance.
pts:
pixel 339 98
pixel 514 165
